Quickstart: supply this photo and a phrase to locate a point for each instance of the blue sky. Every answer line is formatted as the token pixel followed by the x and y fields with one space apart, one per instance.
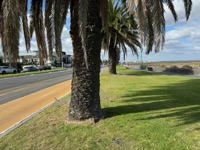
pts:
pixel 182 38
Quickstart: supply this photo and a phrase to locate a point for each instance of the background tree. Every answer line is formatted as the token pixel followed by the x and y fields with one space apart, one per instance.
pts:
pixel 121 33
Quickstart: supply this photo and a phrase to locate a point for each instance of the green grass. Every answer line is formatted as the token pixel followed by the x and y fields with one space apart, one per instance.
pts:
pixel 29 73
pixel 143 111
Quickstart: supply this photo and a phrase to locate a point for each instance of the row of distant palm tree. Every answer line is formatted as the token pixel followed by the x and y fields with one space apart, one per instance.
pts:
pixel 88 19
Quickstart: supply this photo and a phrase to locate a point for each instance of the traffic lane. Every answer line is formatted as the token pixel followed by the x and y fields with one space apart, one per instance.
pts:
pixel 8 95
pixel 23 80
pixel 11 95
pixel 15 82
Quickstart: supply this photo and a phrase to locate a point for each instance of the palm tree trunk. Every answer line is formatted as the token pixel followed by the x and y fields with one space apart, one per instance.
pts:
pixel 85 99
pixel 112 58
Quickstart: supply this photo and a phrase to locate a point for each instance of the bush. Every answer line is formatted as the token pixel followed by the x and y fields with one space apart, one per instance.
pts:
pixel 162 66
pixel 188 70
pixel 187 67
pixel 173 69
pixel 143 66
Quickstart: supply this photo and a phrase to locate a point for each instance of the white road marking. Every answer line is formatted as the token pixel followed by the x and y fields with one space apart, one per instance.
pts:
pixel 47 94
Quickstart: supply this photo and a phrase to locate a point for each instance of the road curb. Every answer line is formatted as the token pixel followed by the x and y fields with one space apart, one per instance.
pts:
pixel 18 124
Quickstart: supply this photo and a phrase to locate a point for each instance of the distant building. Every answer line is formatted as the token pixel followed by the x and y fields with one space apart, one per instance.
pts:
pixel 66 59
pixel 26 59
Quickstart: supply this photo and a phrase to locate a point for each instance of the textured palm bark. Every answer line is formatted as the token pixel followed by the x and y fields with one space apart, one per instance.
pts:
pixel 112 58
pixel 85 99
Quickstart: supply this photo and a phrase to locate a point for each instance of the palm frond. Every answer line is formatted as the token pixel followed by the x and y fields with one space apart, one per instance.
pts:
pixel 37 24
pixel 1 18
pixel 23 8
pixel 171 7
pixel 104 17
pixel 150 19
pixel 49 24
pixel 10 30
pixel 61 8
pixel 159 25
pixel 188 8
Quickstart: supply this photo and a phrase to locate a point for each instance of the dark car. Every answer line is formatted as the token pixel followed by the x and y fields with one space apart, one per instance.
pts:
pixel 45 67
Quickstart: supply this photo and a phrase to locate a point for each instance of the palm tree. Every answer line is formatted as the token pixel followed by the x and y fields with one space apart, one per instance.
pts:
pixel 85 27
pixel 85 100
pixel 121 33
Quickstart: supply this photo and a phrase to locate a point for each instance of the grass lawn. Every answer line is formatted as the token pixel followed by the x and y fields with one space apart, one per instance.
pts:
pixel 29 73
pixel 143 111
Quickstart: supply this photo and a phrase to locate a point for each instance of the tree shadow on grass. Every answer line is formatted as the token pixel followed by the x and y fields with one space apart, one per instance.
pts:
pixel 179 100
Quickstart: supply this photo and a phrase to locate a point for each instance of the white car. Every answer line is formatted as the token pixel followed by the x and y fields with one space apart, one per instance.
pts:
pixel 30 68
pixel 7 69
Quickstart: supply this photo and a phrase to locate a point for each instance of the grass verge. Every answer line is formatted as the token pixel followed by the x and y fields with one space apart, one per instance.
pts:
pixel 29 73
pixel 143 111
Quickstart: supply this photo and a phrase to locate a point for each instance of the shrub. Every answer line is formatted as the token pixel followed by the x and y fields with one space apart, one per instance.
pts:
pixel 187 70
pixel 143 66
pixel 173 69
pixel 184 70
pixel 187 67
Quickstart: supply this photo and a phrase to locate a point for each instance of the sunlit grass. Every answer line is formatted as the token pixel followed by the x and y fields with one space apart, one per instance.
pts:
pixel 143 111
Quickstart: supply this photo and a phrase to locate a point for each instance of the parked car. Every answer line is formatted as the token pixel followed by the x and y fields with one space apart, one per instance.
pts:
pixel 68 65
pixel 30 68
pixel 7 69
pixel 45 67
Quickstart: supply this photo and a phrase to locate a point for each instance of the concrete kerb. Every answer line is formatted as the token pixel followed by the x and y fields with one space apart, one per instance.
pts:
pixel 5 132
pixel 103 69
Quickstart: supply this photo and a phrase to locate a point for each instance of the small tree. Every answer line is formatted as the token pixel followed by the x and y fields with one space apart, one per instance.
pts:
pixel 121 33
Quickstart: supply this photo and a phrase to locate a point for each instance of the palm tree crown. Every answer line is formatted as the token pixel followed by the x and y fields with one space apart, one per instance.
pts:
pixel 121 29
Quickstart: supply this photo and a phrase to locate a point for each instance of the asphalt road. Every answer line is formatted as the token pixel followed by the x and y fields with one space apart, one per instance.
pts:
pixel 13 88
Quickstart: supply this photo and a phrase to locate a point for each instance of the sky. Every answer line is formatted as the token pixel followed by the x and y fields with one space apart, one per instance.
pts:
pixel 182 38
